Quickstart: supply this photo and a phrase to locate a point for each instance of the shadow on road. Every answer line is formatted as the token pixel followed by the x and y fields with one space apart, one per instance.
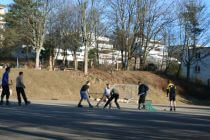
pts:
pixel 68 122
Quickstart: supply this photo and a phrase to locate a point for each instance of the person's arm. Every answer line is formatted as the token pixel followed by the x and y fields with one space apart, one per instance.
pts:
pixel 105 91
pixel 111 92
pixel 167 91
pixel 140 89
pixel 21 82
pixel 5 79
pixel 147 88
pixel 88 91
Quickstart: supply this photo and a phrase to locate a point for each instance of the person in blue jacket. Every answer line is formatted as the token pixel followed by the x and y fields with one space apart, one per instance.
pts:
pixel 5 86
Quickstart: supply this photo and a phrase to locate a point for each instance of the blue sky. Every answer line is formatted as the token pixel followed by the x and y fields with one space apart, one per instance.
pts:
pixel 5 2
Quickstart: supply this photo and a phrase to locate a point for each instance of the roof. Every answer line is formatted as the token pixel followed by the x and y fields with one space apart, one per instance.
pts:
pixel 2 6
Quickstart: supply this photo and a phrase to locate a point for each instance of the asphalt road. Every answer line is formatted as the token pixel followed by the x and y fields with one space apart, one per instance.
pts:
pixel 42 121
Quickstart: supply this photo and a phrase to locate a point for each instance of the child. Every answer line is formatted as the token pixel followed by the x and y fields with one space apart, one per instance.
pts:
pixel 106 95
pixel 84 94
pixel 171 92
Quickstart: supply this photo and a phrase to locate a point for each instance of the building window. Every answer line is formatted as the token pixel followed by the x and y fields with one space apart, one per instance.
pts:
pixel 197 69
pixel 157 49
pixel 198 55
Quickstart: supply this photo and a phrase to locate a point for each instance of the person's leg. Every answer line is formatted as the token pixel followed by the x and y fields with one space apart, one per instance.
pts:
pixel 2 95
pixel 139 103
pixel 100 101
pixel 143 101
pixel 174 102
pixel 82 97
pixel 171 105
pixel 22 91
pixel 18 96
pixel 108 102
pixel 88 100
pixel 7 95
pixel 116 98
pixel 80 102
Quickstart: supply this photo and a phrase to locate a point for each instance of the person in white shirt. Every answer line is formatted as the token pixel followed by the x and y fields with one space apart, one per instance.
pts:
pixel 20 89
pixel 106 95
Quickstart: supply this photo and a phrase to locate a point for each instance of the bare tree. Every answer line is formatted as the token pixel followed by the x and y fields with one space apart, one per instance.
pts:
pixel 137 23
pixel 88 11
pixel 124 26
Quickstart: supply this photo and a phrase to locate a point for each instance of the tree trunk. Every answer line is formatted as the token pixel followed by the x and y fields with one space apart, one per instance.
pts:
pixel 188 72
pixel 75 61
pixel 179 70
pixel 38 51
pixel 97 55
pixel 144 60
pixel 166 69
pixel 50 61
pixel 84 28
pixel 86 60
pixel 122 59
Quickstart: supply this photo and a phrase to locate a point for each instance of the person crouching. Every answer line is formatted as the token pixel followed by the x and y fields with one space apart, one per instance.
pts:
pixel 114 95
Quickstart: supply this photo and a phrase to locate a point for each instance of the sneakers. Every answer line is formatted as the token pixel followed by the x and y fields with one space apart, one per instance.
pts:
pixel 173 109
pixel 7 103
pixel 80 106
pixel 27 103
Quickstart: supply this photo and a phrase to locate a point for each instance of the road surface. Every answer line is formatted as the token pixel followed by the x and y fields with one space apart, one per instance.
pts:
pixel 63 121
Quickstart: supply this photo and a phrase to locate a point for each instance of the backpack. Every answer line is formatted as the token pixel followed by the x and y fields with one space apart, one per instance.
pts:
pixel 172 89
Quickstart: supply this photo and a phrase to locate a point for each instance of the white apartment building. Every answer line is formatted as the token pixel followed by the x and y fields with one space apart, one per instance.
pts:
pixel 157 54
pixel 200 70
pixel 2 12
pixel 107 54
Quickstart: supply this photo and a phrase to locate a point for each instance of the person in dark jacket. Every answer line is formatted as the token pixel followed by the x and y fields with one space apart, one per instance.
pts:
pixel 142 92
pixel 84 94
pixel 20 89
pixel 5 86
pixel 171 92
pixel 114 95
